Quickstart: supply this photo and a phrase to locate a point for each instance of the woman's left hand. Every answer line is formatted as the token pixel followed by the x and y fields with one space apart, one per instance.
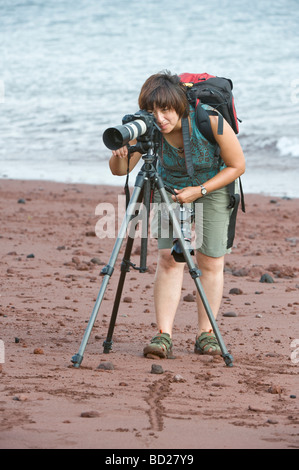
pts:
pixel 188 194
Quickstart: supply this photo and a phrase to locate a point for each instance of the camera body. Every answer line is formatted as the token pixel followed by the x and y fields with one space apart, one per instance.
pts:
pixel 140 126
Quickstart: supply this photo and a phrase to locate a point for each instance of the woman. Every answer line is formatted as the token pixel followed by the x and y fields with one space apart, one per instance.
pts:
pixel 164 95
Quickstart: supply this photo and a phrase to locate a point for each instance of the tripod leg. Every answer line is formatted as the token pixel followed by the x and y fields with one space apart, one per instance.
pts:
pixel 124 269
pixel 144 239
pixel 195 273
pixel 108 270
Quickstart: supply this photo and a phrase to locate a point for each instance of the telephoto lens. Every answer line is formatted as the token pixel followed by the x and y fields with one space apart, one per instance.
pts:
pixel 119 136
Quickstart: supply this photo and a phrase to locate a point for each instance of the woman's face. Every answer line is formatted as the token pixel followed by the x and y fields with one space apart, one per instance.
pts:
pixel 167 119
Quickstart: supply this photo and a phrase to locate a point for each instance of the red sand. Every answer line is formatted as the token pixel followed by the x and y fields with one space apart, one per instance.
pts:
pixel 197 402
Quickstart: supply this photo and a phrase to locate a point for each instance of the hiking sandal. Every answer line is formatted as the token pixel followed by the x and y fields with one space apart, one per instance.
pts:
pixel 207 343
pixel 160 345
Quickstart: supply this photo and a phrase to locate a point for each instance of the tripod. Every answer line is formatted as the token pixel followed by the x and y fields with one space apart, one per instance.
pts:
pixel 145 180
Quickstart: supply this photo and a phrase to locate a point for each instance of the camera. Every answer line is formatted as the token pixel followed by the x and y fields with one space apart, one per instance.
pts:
pixel 186 217
pixel 135 126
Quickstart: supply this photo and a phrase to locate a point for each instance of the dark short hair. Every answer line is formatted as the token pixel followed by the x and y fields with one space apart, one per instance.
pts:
pixel 164 90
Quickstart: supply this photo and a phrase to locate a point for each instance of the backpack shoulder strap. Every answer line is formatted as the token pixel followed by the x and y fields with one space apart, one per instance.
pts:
pixel 204 125
pixel 187 146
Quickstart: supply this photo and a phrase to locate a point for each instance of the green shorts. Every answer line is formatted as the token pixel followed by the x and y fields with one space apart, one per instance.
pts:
pixel 208 227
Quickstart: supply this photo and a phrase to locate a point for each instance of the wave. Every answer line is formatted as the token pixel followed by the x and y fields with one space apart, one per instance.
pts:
pixel 276 147
pixel 288 146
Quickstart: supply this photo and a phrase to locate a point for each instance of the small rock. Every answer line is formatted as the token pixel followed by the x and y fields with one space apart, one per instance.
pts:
pixel 236 291
pixel 90 233
pixel 38 351
pixel 30 256
pixel 90 414
pixel 275 389
pixel 21 201
pixel 106 366
pixel 189 298
pixel 178 378
pixel 157 369
pixel 230 314
pixel 267 278
pixel 293 396
pixel 96 261
pixel 128 300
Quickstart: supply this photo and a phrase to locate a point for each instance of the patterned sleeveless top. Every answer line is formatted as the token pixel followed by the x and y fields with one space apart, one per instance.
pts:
pixel 172 166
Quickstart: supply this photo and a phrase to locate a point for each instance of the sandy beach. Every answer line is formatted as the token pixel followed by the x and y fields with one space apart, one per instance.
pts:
pixel 51 261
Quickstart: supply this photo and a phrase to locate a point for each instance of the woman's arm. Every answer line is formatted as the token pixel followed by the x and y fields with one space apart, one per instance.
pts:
pixel 233 157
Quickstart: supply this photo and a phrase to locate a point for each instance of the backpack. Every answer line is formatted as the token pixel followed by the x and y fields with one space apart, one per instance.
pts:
pixel 217 93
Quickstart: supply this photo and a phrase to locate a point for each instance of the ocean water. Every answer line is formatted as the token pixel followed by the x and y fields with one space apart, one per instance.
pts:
pixel 69 70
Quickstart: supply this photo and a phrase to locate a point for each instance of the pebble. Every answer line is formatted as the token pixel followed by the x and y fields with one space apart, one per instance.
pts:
pixel 38 351
pixel 106 366
pixel 189 298
pixel 178 378
pixel 128 300
pixel 90 233
pixel 275 389
pixel 236 291
pixel 157 369
pixel 230 314
pixel 267 278
pixel 30 256
pixel 90 414
pixel 96 261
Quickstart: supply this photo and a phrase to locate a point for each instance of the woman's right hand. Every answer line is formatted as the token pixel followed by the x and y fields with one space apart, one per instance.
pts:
pixel 121 152
pixel 119 160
